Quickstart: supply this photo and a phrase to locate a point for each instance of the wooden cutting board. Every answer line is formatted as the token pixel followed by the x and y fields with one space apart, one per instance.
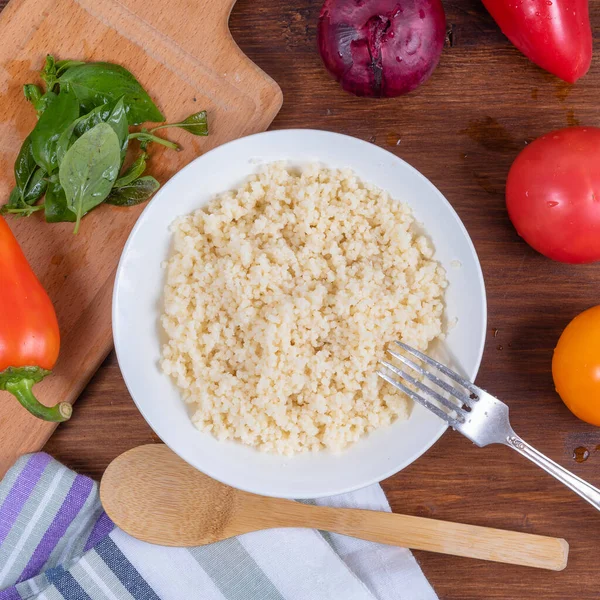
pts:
pixel 183 54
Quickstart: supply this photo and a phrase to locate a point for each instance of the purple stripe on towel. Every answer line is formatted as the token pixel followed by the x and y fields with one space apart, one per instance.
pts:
pixel 101 529
pixel 20 492
pixel 75 499
pixel 10 594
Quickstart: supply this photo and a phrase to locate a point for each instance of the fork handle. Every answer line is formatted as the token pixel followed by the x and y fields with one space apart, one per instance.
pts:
pixel 579 486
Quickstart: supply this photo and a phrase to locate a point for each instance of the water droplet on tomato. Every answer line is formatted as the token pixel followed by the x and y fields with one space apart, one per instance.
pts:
pixel 552 203
pixel 398 59
pixel 537 14
pixel 549 2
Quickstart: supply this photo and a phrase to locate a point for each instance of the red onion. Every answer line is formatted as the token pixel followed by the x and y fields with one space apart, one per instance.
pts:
pixel 381 48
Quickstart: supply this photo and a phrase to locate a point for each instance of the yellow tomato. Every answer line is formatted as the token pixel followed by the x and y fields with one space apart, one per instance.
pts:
pixel 576 366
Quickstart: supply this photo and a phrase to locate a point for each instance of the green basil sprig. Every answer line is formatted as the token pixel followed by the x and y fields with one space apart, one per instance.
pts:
pixel 25 165
pixel 48 73
pixel 100 83
pixel 135 171
pixel 197 124
pixel 42 104
pixel 17 207
pixel 55 205
pixel 89 169
pixel 32 92
pixel 113 114
pixel 77 149
pixel 59 115
pixel 63 65
pixel 136 192
pixel 36 187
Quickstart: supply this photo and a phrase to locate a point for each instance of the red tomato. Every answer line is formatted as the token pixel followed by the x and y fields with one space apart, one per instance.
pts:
pixel 555 34
pixel 553 194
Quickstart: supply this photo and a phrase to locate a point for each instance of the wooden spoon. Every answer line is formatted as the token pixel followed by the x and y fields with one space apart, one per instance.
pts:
pixel 155 496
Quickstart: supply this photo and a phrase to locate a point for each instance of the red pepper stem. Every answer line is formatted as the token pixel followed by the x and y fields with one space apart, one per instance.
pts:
pixel 22 390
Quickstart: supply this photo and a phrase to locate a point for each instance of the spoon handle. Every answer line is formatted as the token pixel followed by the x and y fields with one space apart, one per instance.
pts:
pixel 419 533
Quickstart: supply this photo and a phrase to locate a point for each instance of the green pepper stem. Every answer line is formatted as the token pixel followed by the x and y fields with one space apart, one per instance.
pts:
pixel 22 390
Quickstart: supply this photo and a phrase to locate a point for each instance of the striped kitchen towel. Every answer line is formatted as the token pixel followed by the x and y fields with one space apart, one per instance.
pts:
pixel 57 543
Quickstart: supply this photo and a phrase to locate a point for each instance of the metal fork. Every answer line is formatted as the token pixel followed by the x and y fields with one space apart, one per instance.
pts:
pixel 473 412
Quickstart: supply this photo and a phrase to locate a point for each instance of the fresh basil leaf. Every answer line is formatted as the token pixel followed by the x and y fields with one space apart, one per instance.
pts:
pixel 36 187
pixel 65 140
pixel 63 65
pixel 48 74
pixel 135 170
pixel 136 192
pixel 89 169
pixel 33 93
pixel 79 127
pixel 61 112
pixel 118 121
pixel 25 165
pixel 55 205
pixel 42 104
pixel 196 124
pixel 15 197
pixel 99 83
pixel 113 114
pixel 100 114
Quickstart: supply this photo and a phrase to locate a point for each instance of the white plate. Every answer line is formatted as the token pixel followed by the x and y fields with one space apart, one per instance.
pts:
pixel 137 306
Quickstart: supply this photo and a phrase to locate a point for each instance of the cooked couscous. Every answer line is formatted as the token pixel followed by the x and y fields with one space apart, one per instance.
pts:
pixel 280 299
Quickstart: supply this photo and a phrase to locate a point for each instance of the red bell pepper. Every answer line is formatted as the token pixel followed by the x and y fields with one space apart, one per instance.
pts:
pixel 29 335
pixel 555 34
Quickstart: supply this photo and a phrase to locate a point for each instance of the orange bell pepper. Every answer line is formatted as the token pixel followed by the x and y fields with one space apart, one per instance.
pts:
pixel 29 335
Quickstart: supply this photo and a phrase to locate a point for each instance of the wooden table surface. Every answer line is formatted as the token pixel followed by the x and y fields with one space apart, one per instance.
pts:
pixel 461 130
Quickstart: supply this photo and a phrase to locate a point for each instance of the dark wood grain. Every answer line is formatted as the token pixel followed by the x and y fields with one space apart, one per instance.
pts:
pixel 462 130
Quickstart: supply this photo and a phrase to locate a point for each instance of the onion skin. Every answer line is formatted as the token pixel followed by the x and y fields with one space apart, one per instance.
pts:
pixel 381 48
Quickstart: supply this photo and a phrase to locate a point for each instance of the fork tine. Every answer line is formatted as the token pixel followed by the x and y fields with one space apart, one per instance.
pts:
pixel 419 399
pixel 463 398
pixel 444 369
pixel 447 403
